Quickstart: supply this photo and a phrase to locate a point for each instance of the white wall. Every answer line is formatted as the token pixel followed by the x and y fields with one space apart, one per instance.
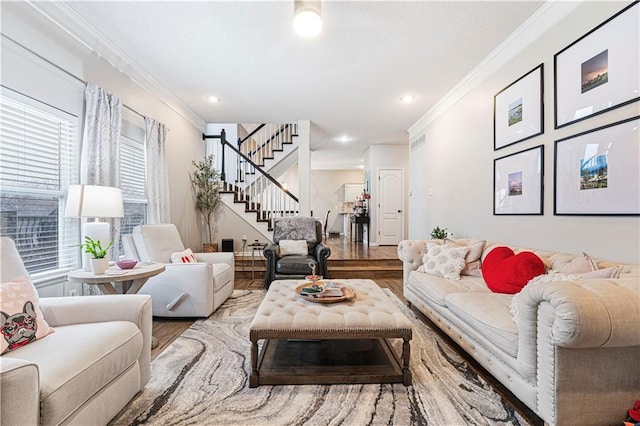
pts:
pixel 385 157
pixel 184 141
pixel 456 163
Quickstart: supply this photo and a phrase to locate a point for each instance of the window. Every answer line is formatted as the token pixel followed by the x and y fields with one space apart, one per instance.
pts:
pixel 133 180
pixel 39 158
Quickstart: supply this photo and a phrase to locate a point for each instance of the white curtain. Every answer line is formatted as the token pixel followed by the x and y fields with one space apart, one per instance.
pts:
pixel 100 160
pixel 157 173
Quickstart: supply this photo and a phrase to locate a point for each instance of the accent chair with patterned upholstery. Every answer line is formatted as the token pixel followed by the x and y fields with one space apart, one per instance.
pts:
pixel 281 265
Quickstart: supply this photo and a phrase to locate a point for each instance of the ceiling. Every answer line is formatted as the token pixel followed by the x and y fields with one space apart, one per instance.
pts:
pixel 347 81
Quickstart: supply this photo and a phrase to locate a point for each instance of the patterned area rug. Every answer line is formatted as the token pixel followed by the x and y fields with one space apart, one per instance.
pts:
pixel 202 379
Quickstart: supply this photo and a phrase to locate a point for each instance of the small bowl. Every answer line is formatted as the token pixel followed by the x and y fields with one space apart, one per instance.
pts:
pixel 126 263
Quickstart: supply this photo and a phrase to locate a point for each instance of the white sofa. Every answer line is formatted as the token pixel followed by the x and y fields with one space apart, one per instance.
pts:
pixel 574 355
pixel 85 372
pixel 183 289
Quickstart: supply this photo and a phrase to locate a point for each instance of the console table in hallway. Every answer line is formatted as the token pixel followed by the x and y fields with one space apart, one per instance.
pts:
pixel 359 222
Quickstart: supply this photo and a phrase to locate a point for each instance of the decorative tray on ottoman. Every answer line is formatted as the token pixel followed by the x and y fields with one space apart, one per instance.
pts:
pixel 325 292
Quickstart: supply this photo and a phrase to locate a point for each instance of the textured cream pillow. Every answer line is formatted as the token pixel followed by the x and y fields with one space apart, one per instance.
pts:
pixel 580 265
pixel 293 248
pixel 444 261
pixel 472 259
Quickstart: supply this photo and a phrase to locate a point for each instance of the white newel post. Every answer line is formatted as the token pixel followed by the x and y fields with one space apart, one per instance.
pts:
pixel 304 166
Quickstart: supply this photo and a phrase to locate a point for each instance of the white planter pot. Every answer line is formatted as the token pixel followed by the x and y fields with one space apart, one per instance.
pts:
pixel 99 266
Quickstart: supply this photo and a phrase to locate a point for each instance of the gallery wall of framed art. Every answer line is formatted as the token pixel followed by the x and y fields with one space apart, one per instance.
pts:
pixel 461 179
pixel 593 75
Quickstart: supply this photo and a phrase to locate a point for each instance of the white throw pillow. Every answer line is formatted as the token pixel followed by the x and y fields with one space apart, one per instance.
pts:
pixel 293 248
pixel 185 256
pixel 444 261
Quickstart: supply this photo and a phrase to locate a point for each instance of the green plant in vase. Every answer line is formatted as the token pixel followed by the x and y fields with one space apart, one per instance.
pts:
pixel 439 233
pixel 99 260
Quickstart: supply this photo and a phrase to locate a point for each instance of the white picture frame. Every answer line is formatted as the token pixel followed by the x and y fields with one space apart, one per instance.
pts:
pixel 518 183
pixel 600 71
pixel 518 110
pixel 596 172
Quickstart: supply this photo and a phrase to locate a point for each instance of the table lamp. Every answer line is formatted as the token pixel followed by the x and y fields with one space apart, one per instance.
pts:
pixel 92 201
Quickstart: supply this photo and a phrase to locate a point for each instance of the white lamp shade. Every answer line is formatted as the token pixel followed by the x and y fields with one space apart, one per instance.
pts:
pixel 94 201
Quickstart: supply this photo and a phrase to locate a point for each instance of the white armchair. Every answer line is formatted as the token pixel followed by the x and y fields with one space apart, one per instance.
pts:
pixel 85 372
pixel 183 289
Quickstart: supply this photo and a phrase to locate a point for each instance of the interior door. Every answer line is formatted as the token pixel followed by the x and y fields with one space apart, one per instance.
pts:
pixel 390 206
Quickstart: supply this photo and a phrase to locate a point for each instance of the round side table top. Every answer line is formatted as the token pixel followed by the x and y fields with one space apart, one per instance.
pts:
pixel 115 274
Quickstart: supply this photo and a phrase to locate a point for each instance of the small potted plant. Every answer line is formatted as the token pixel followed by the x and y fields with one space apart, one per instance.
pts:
pixel 206 184
pixel 99 260
pixel 439 234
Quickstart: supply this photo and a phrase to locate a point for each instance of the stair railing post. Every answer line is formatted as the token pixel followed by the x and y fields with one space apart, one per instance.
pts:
pixel 239 166
pixel 223 140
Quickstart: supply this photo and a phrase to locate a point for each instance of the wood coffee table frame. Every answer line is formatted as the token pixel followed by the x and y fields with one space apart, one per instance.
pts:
pixel 266 368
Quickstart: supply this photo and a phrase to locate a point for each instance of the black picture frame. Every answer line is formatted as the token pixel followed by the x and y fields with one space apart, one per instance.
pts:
pixel 525 95
pixel 582 85
pixel 518 183
pixel 596 172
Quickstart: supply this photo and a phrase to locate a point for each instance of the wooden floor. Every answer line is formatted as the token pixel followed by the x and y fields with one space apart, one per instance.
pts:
pixel 167 330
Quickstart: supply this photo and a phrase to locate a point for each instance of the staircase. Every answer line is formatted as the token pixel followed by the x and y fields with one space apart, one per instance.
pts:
pixel 250 189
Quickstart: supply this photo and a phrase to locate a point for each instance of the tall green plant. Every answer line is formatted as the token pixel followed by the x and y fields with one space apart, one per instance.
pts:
pixel 206 184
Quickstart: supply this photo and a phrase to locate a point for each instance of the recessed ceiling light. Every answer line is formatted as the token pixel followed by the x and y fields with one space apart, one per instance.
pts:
pixel 213 99
pixel 307 21
pixel 344 139
pixel 407 98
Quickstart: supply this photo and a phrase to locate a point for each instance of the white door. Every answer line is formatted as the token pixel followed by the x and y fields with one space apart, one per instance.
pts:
pixel 390 206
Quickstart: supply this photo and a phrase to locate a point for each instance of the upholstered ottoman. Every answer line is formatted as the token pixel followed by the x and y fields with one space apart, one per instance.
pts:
pixel 347 340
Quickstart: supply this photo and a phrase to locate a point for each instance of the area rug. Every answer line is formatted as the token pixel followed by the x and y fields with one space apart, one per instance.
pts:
pixel 202 379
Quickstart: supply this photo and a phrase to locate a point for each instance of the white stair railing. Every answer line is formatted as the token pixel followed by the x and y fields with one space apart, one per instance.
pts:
pixel 263 195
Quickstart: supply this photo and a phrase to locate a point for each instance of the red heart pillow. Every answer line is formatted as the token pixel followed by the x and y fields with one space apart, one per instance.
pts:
pixel 507 272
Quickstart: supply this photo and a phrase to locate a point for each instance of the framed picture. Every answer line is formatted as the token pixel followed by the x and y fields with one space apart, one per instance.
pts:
pixel 599 71
pixel 517 183
pixel 518 110
pixel 597 172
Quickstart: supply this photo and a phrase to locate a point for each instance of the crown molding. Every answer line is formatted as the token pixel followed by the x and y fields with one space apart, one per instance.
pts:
pixel 69 21
pixel 548 15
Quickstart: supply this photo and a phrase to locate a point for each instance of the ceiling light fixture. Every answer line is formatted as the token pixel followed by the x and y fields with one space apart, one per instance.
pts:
pixel 307 21
pixel 344 139
pixel 407 99
pixel 213 99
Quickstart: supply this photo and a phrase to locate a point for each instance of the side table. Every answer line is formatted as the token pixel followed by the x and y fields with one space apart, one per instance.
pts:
pixel 131 280
pixel 259 247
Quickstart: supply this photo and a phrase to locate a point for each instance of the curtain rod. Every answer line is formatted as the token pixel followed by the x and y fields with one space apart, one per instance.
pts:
pixel 69 73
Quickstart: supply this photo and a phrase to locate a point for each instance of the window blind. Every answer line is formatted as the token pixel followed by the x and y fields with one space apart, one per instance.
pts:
pixel 39 158
pixel 133 181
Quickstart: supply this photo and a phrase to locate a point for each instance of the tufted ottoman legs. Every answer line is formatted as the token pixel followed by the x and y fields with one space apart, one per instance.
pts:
pixel 313 343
